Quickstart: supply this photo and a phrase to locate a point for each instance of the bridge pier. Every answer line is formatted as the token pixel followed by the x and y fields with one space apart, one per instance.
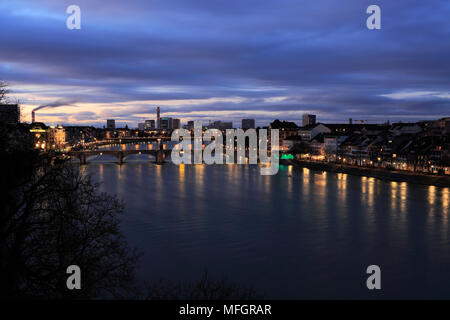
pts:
pixel 82 158
pixel 120 157
pixel 160 156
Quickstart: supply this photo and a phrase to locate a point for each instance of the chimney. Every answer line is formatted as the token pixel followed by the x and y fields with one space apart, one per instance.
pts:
pixel 33 117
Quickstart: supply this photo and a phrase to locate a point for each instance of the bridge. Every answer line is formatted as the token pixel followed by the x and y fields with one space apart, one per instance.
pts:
pixel 160 155
pixel 125 140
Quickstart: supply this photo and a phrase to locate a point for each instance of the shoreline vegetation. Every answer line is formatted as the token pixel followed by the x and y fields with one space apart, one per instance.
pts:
pixel 379 173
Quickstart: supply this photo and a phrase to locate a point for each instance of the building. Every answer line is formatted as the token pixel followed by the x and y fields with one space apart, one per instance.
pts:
pixel 111 124
pixel 82 134
pixel 125 132
pixel 290 142
pixel 9 113
pixel 141 126
pixel 158 118
pixel 189 125
pixel 405 128
pixel 332 143
pixel 248 124
pixel 165 123
pixel 286 129
pixel 56 137
pixel 221 125
pixel 176 124
pixel 441 126
pixel 307 133
pixel 39 134
pixel 150 125
pixel 308 120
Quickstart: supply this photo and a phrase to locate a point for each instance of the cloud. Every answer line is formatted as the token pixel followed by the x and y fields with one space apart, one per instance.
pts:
pixel 224 59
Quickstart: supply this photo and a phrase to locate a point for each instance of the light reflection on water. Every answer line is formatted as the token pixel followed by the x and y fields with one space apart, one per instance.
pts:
pixel 299 234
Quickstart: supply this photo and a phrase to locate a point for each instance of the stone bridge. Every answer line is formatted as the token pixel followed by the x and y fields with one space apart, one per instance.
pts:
pixel 126 140
pixel 160 155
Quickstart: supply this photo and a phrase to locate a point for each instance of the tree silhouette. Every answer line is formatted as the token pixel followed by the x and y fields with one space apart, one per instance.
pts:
pixel 52 217
pixel 3 91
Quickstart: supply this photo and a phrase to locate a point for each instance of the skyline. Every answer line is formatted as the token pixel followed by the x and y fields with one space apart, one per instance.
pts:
pixel 227 61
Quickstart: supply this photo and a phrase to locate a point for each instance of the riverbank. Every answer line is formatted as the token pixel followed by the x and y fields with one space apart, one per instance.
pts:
pixel 399 176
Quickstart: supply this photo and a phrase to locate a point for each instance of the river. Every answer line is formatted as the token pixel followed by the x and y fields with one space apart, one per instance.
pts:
pixel 300 234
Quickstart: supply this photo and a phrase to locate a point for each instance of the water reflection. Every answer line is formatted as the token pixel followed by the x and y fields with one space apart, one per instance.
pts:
pixel 403 193
pixel 394 186
pixel 431 200
pixel 368 192
pixel 320 180
pixel 290 181
pixel 300 221
pixel 306 185
pixel 100 172
pixel 445 203
pixel 199 177
pixel 139 175
pixel 342 186
pixel 306 175
pixel 431 194
pixel 364 185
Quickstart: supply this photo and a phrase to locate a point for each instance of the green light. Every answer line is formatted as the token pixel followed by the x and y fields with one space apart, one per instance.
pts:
pixel 287 157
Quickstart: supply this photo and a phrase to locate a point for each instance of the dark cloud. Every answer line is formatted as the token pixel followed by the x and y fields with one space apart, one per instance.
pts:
pixel 315 56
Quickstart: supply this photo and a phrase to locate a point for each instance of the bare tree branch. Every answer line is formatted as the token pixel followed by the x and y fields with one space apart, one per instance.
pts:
pixel 52 216
pixel 3 91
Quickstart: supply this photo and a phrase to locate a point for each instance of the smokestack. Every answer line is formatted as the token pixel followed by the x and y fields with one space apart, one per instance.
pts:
pixel 50 105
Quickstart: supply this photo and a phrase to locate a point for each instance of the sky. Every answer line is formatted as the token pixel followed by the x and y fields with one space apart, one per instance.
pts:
pixel 227 60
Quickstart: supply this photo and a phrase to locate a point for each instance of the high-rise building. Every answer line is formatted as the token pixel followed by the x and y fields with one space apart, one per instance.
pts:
pixel 248 124
pixel 308 119
pixel 158 118
pixel 141 126
pixel 176 124
pixel 9 113
pixel 111 124
pixel 165 123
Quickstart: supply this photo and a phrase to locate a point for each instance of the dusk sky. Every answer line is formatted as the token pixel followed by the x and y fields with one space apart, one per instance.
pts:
pixel 227 60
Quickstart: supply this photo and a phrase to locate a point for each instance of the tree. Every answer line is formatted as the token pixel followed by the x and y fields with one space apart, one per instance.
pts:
pixel 51 217
pixel 3 91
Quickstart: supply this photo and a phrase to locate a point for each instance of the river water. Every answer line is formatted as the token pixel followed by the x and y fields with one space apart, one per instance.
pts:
pixel 298 234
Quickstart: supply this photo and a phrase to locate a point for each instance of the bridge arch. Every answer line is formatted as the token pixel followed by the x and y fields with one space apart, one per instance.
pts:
pixel 120 155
